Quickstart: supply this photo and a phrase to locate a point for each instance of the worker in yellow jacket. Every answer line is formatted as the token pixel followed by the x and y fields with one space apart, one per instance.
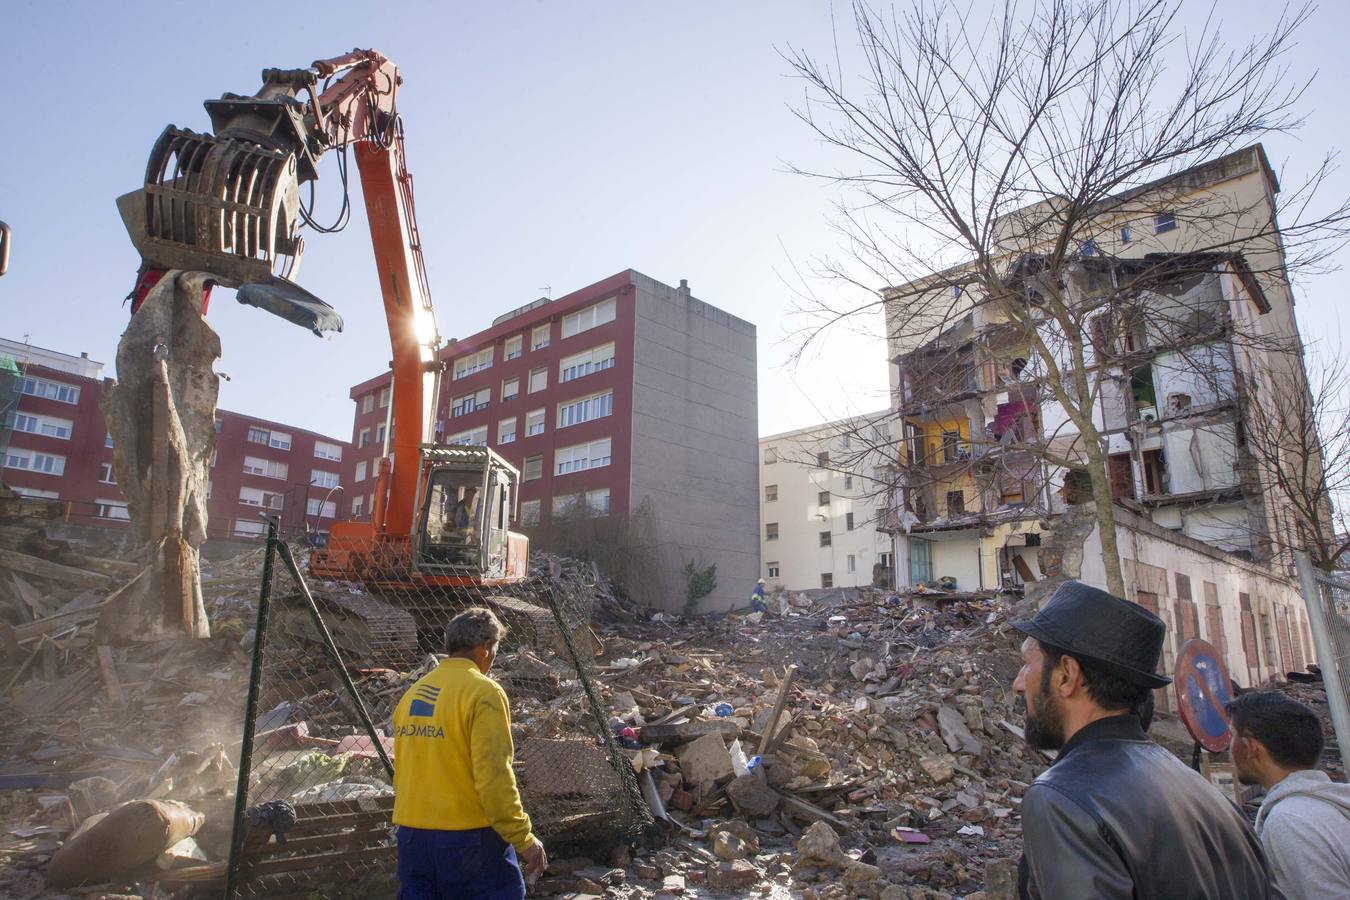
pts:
pixel 462 831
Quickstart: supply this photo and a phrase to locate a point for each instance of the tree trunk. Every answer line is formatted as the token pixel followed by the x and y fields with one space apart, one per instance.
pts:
pixel 1106 517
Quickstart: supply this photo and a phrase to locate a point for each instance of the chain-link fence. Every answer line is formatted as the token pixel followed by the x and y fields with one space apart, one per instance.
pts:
pixel 330 662
pixel 1327 596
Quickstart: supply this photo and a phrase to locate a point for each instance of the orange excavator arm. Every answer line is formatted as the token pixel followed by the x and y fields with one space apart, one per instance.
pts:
pixel 228 203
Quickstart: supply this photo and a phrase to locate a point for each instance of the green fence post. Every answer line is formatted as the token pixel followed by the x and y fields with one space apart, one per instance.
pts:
pixel 250 714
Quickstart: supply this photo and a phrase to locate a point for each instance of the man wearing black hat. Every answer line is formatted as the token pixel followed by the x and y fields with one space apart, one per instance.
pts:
pixel 1116 815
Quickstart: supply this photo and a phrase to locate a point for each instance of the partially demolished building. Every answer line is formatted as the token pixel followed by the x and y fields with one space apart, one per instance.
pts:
pixel 1182 353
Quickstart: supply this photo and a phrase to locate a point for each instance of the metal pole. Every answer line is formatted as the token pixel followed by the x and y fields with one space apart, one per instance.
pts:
pixel 250 713
pixel 326 638
pixel 1332 677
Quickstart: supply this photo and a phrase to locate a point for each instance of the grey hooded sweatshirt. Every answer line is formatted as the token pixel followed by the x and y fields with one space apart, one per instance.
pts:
pixel 1304 824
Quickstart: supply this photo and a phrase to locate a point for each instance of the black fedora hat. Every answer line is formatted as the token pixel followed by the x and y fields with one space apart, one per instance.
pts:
pixel 1088 623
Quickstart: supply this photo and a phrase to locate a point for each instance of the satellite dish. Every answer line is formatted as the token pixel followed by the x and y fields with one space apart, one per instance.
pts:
pixel 1203 693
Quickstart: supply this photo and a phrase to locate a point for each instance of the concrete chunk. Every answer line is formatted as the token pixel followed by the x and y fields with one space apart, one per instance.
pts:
pixel 706 761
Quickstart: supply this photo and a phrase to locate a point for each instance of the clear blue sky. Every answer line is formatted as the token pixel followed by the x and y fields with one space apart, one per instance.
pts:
pixel 553 143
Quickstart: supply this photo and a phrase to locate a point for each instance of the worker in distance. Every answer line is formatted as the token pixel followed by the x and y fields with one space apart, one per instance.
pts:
pixel 462 832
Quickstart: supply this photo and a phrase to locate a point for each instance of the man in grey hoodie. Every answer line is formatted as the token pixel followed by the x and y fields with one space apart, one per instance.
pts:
pixel 1304 822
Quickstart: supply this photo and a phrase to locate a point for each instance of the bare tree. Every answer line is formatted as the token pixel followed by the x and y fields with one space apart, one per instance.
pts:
pixel 1300 441
pixel 987 159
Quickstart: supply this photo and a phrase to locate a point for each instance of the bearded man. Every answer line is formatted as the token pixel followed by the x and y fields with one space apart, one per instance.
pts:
pixel 1117 816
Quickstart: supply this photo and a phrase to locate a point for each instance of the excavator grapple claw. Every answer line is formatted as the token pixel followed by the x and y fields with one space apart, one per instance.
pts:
pixel 225 206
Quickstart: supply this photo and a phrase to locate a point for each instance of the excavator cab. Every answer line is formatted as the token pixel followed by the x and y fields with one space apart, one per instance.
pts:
pixel 467 501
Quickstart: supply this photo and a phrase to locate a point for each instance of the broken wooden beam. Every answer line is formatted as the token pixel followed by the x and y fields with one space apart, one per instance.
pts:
pixel 784 688
pixel 42 568
pixel 687 731
pixel 799 808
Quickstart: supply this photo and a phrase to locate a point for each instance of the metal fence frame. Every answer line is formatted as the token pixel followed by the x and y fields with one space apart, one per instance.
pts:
pixel 286 592
pixel 1324 593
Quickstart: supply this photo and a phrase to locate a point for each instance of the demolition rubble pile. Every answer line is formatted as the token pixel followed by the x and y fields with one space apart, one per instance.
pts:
pixel 892 767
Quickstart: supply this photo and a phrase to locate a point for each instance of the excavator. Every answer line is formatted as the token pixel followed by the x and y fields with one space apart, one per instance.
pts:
pixel 229 203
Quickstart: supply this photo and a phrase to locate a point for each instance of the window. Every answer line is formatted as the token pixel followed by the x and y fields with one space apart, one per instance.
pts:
pixel 564 503
pixel 36 494
pixel 584 410
pixel 1125 235
pixel 111 509
pixel 384 397
pixel 771 570
pixel 826 539
pixel 513 346
pixel 474 402
pixel 47 426
pixel 105 473
pixel 598 501
pixel 770 493
pixel 1164 221
pixel 368 403
pixel 848 521
pixel 248 528
pixel 510 389
pixel 827 579
pixel 32 461
pixel 848 482
pixel 324 509
pixel 823 498
pixel 852 564
pixel 257 497
pixel 506 430
pixel 771 531
pixel 534 422
pixel 538 380
pixel 215 455
pixel 588 318
pixel 582 456
pixel 107 440
pixel 363 440
pixel 529 512
pixel 956 503
pixel 951 446
pixel 51 390
pixel 325 450
pixel 358 506
pixel 324 479
pixel 581 364
pixel 474 437
pixel 361 471
pixel 881 432
pixel 474 362
pixel 1087 248
pixel 539 336
pixel 822 460
pixel 268 468
pixel 770 456
pixel 278 439
pixel 379 434
pixel 533 468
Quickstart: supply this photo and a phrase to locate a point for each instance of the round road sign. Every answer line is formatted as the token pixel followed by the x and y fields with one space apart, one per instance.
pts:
pixel 1203 692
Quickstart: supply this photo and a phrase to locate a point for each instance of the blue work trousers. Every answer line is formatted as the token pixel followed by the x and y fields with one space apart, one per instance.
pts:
pixel 457 865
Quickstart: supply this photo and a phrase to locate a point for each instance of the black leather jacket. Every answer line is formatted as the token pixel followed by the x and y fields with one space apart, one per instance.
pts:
pixel 1117 816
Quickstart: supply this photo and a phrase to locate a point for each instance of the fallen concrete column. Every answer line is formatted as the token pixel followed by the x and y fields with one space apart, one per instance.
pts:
pixel 161 413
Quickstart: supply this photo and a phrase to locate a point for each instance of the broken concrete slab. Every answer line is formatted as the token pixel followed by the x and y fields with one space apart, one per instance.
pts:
pixel 706 761
pixel 955 733
pixel 732 875
pixel 752 796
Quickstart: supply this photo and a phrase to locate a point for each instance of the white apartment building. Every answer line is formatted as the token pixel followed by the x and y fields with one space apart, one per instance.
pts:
pixel 821 492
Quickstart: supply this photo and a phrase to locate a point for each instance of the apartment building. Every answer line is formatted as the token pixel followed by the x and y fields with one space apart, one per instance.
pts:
pixel 55 445
pixel 1178 349
pixel 627 395
pixel 822 492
